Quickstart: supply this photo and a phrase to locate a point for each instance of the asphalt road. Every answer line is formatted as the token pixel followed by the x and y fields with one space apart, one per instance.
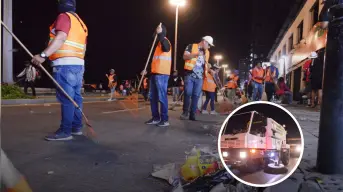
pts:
pixel 120 159
pixel 260 177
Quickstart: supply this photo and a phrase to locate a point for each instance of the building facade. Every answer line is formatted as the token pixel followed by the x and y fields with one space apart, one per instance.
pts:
pixel 300 36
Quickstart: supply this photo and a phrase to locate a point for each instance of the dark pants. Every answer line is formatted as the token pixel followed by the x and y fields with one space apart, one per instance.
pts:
pixel 145 93
pixel 209 96
pixel 31 85
pixel 270 90
pixel 216 95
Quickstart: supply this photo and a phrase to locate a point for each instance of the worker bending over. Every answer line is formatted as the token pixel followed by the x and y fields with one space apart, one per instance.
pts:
pixel 232 85
pixel 209 87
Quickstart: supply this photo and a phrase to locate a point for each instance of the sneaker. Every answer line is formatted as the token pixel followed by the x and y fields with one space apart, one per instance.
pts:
pixel 214 113
pixel 109 99
pixel 204 112
pixel 192 117
pixel 184 116
pixel 61 136
pixel 76 132
pixel 163 124
pixel 152 122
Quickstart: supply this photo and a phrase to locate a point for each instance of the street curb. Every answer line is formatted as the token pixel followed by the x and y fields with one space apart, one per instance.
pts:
pixel 5 102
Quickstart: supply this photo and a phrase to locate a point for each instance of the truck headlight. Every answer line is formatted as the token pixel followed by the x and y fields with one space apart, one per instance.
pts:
pixel 298 149
pixel 243 154
pixel 225 154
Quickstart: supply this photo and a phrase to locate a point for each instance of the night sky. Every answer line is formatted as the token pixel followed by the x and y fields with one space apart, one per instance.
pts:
pixel 121 32
pixel 277 114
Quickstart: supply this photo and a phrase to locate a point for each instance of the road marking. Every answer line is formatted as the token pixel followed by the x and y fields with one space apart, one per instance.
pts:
pixel 122 110
pixel 275 179
pixel 42 104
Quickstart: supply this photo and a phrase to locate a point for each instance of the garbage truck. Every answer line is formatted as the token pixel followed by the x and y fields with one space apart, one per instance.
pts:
pixel 250 139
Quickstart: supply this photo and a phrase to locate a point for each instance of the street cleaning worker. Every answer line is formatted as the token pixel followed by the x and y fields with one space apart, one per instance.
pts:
pixel 196 58
pixel 160 72
pixel 257 82
pixel 232 85
pixel 272 74
pixel 175 84
pixel 112 83
pixel 209 87
pixel 145 90
pixel 66 50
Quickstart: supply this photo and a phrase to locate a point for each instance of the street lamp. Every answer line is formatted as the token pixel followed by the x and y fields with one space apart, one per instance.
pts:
pixel 218 57
pixel 224 66
pixel 177 3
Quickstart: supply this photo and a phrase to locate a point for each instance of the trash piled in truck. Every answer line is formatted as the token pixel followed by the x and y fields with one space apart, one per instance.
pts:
pixel 201 172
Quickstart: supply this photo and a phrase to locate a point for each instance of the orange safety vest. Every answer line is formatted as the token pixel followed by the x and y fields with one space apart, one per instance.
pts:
pixel 145 83
pixel 161 62
pixel 75 45
pixel 257 73
pixel 232 84
pixel 270 77
pixel 110 81
pixel 189 64
pixel 209 84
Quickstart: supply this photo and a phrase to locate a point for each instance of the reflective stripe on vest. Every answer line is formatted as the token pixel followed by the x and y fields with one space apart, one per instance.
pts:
pixel 161 62
pixel 75 44
pixel 162 57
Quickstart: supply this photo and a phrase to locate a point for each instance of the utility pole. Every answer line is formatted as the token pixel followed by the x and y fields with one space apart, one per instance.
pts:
pixel 330 142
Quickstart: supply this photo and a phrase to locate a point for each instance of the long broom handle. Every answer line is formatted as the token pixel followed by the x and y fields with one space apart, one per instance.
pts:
pixel 147 62
pixel 45 71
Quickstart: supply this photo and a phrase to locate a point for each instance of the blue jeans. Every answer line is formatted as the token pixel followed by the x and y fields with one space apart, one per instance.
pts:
pixel 158 90
pixel 70 78
pixel 209 96
pixel 193 88
pixel 257 91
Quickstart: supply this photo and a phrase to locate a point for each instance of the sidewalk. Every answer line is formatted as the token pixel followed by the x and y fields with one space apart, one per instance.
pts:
pixel 305 178
pixel 52 99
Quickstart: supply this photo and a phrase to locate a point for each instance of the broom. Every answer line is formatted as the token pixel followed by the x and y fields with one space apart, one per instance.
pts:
pixel 90 128
pixel 178 99
pixel 264 94
pixel 225 105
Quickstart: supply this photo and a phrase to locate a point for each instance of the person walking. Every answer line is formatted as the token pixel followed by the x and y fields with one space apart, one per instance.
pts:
pixel 257 82
pixel 196 58
pixel 176 83
pixel 232 85
pixel 145 90
pixel 66 50
pixel 272 74
pixel 30 76
pixel 112 84
pixel 209 87
pixel 316 71
pixel 306 78
pixel 160 72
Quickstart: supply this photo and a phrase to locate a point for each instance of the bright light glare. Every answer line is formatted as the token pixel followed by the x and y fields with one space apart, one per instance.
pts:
pixel 225 65
pixel 218 57
pixel 225 154
pixel 253 150
pixel 298 149
pixel 242 154
pixel 178 2
pixel 229 71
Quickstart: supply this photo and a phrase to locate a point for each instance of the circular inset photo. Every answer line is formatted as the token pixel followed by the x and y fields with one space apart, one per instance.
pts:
pixel 261 144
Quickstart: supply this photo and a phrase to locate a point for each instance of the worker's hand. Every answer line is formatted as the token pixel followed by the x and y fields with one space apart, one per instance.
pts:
pixel 37 60
pixel 159 29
